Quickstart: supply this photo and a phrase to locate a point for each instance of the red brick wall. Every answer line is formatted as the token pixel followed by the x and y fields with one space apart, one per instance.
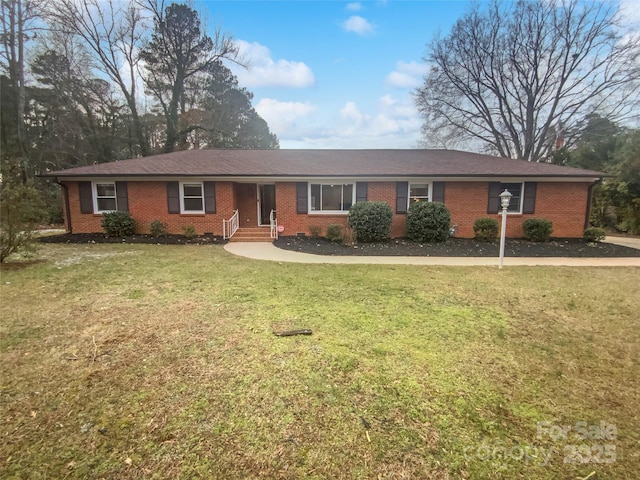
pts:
pixel 148 202
pixel 565 204
pixel 562 203
pixel 294 223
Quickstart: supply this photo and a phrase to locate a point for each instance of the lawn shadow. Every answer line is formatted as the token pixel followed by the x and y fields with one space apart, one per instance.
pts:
pixel 20 264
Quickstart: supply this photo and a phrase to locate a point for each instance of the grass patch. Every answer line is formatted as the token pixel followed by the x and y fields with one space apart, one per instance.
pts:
pixel 134 361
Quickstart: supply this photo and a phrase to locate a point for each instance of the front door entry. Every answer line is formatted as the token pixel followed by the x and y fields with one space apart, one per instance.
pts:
pixel 267 200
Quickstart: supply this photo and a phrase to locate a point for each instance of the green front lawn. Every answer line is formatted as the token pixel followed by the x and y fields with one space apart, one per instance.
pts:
pixel 138 361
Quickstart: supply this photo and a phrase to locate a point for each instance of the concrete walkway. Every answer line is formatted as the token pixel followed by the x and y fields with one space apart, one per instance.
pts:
pixel 631 242
pixel 267 251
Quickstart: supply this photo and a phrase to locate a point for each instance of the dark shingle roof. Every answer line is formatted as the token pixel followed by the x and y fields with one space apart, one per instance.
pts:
pixel 324 163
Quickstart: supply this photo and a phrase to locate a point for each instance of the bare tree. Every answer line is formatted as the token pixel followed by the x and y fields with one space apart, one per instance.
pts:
pixel 516 75
pixel 114 32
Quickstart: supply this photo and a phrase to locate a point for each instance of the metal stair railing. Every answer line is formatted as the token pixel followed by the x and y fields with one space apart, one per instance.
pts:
pixel 229 227
pixel 273 221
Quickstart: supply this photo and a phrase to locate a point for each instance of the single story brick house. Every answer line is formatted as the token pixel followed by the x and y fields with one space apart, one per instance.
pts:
pixel 315 188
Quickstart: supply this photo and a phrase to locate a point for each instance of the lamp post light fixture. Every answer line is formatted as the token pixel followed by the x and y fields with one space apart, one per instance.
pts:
pixel 505 198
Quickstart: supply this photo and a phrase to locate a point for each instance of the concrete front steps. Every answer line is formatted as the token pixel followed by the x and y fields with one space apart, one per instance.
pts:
pixel 252 234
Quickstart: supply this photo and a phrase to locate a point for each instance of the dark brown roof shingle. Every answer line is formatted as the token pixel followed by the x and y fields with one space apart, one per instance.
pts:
pixel 324 163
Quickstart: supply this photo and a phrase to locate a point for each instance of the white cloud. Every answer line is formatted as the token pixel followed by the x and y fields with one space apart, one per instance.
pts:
pixel 399 109
pixel 143 101
pixel 263 71
pixel 354 6
pixel 284 118
pixel 407 75
pixel 350 112
pixel 393 123
pixel 629 12
pixel 358 25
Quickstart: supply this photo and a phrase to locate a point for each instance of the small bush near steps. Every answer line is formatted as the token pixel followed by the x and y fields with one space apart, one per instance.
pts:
pixel 334 232
pixel 118 224
pixel 315 231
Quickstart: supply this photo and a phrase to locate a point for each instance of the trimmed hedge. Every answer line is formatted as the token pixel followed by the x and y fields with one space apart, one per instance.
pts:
pixel 118 224
pixel 371 221
pixel 486 229
pixel 428 222
pixel 537 229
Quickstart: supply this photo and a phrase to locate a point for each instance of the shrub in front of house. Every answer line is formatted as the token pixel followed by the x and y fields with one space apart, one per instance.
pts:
pixel 22 208
pixel 348 237
pixel 118 224
pixel 428 222
pixel 189 231
pixel 594 234
pixel 315 230
pixel 486 229
pixel 537 229
pixel 371 221
pixel 158 228
pixel 334 232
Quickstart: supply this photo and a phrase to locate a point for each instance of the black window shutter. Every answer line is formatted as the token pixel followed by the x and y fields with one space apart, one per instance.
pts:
pixel 402 196
pixel 86 197
pixel 210 197
pixel 495 189
pixel 122 196
pixel 302 198
pixel 438 192
pixel 529 203
pixel 173 197
pixel 361 191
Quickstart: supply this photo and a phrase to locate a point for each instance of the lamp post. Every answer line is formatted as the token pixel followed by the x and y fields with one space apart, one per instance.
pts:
pixel 505 198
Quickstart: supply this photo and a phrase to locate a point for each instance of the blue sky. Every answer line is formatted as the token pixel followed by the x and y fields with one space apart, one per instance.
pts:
pixel 332 74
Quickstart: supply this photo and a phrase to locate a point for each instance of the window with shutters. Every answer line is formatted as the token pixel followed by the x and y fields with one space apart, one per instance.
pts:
pixel 331 198
pixel 516 190
pixel 191 197
pixel 419 192
pixel 104 197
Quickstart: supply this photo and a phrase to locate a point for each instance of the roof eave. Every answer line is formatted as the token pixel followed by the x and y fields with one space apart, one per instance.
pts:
pixel 595 175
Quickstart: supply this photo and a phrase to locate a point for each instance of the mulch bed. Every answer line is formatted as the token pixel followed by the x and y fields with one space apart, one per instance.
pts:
pixel 454 247
pixel 141 239
pixel 459 247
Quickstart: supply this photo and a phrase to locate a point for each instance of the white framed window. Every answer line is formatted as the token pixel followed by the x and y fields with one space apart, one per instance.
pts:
pixel 517 194
pixel 191 197
pixel 104 197
pixel 419 192
pixel 331 197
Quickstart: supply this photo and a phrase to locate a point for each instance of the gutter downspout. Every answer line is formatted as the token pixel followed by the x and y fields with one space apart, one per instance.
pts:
pixel 67 213
pixel 590 201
